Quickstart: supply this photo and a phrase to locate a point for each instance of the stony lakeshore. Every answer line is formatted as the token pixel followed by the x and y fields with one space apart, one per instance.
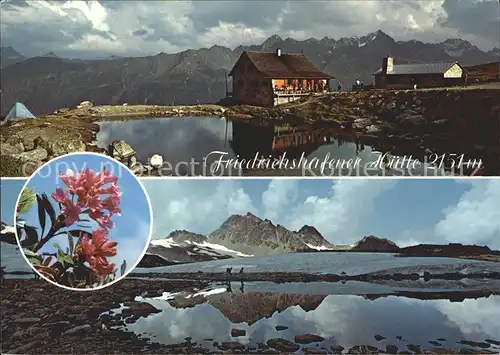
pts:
pixel 39 318
pixel 459 121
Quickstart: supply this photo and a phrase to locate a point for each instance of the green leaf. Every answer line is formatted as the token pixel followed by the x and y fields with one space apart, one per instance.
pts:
pixel 62 257
pixel 32 257
pixel 31 237
pixel 71 244
pixel 65 260
pixel 30 253
pixel 27 200
pixel 58 247
pixel 123 268
pixel 33 260
pixel 41 213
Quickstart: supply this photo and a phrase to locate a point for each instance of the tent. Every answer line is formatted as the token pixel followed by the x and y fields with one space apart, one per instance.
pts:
pixel 19 111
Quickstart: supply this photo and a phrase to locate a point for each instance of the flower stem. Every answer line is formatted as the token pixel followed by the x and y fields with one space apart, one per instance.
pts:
pixel 51 234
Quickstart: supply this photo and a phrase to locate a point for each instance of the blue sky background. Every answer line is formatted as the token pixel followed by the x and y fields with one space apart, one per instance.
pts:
pixel 131 229
pixel 407 211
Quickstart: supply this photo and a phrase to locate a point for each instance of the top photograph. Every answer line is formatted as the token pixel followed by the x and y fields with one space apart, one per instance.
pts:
pixel 253 88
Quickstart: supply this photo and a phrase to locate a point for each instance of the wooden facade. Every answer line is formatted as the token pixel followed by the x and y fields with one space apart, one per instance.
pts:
pixel 407 76
pixel 261 78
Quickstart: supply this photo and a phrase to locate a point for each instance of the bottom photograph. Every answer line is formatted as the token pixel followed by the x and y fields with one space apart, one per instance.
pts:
pixel 349 266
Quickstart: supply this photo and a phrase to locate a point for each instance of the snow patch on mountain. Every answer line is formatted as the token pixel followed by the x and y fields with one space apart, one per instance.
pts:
pixel 321 247
pixel 219 248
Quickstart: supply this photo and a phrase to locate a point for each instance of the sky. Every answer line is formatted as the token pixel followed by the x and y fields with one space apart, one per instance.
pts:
pixel 406 211
pixel 131 229
pixel 86 29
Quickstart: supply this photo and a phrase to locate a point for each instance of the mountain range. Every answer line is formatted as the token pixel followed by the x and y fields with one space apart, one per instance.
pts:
pixel 239 236
pixel 48 82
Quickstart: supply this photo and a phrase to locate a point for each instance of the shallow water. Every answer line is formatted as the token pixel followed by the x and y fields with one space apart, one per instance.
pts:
pixel 13 260
pixel 333 263
pixel 340 319
pixel 193 139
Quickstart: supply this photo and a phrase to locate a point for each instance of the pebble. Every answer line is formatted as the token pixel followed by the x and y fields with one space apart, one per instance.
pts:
pixel 27 320
pixel 78 329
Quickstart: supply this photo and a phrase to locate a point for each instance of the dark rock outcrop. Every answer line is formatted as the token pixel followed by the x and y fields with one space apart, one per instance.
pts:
pixel 253 235
pixel 154 260
pixel 313 237
pixel 375 244
pixel 453 250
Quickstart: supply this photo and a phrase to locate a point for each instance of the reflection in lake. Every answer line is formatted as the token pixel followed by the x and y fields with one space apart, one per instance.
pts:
pixel 186 139
pixel 253 318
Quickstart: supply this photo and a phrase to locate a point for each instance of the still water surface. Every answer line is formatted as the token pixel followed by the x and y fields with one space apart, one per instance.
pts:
pixel 334 263
pixel 193 139
pixel 264 313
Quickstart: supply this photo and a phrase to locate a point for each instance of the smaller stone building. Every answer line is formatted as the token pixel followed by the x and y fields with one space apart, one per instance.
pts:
pixel 428 75
pixel 266 79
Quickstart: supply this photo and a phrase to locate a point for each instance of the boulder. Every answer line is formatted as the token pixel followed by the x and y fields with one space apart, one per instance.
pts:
pixel 373 129
pixel 85 104
pixel 308 338
pixel 232 345
pixel 410 118
pixel 282 345
pixel 56 149
pixel 9 149
pixel 361 123
pixel 238 332
pixel 35 155
pixel 156 161
pixel 120 150
pixel 390 106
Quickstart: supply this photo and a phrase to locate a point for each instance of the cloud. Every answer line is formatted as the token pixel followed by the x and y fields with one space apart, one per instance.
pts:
pixel 194 205
pixel 88 28
pixel 476 216
pixel 279 195
pixel 202 207
pixel 344 320
pixel 341 214
pixel 458 15
pixel 343 210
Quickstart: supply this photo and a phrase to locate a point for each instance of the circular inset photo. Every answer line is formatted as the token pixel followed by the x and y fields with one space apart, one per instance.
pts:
pixel 83 221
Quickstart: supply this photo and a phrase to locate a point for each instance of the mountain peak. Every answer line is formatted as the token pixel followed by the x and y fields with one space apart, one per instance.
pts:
pixel 312 236
pixel 271 42
pixel 182 236
pixel 308 229
pixel 49 55
pixel 253 217
pixel 373 243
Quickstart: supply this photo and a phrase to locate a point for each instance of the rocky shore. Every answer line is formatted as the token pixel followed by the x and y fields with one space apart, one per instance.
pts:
pixel 284 277
pixel 39 318
pixel 441 121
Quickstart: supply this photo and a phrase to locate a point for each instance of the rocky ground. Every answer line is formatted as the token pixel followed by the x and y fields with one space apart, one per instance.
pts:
pixel 39 318
pixel 446 121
